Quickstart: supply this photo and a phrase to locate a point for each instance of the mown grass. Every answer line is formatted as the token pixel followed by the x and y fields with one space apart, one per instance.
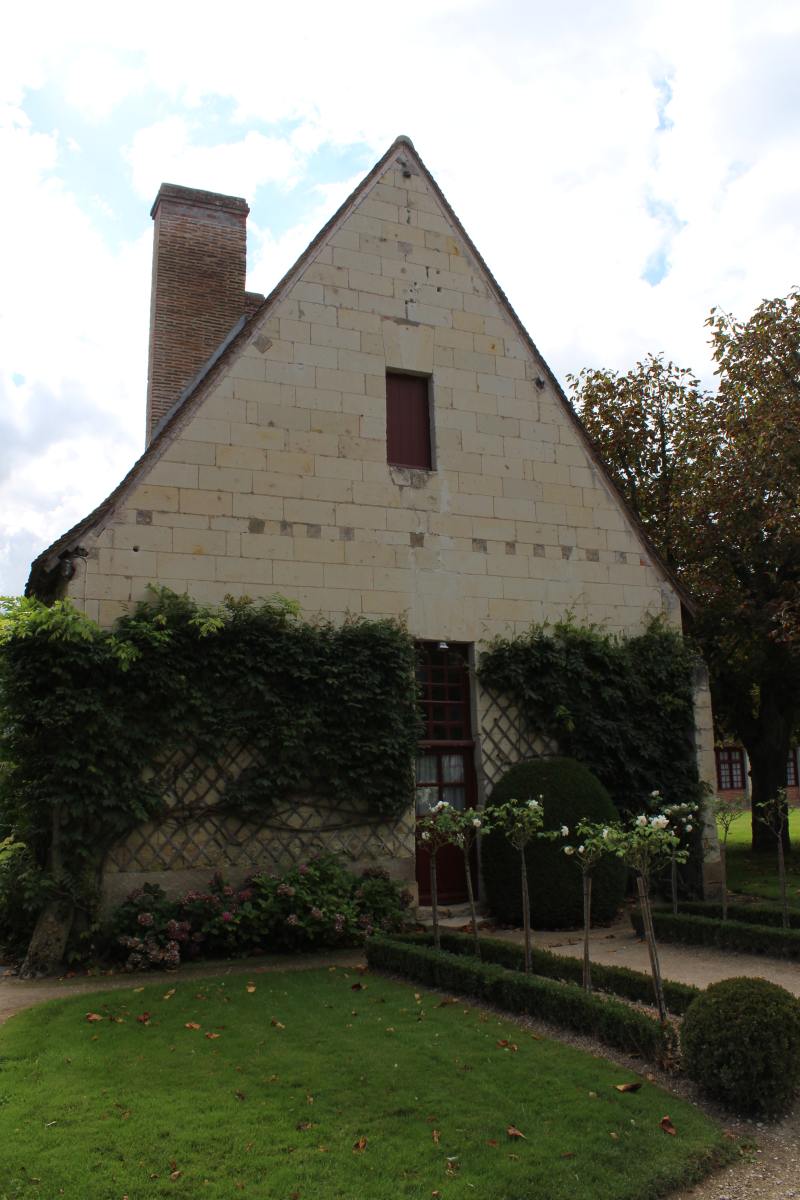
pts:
pixel 304 1067
pixel 752 874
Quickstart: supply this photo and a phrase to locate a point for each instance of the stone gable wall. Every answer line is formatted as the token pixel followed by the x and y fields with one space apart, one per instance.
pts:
pixel 279 481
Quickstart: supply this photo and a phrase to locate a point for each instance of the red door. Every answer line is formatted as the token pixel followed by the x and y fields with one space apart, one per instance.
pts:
pixel 445 760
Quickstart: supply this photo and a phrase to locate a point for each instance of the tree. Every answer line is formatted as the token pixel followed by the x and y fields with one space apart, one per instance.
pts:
pixel 714 479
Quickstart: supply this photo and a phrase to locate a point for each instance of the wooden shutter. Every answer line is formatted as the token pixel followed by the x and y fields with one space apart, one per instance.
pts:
pixel 408 423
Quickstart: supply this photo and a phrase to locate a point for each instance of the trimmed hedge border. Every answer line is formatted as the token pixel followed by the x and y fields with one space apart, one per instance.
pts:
pixel 564 1004
pixel 617 981
pixel 724 935
pixel 751 914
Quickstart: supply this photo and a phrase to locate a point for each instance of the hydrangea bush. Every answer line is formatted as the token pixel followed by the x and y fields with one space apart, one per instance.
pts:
pixel 316 903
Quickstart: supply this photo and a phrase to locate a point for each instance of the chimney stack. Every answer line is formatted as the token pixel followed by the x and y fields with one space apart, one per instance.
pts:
pixel 198 294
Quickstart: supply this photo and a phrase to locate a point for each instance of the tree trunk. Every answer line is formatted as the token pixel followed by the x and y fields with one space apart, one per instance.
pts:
pixel 652 950
pixel 471 898
pixel 723 870
pixel 437 941
pixel 782 881
pixel 768 754
pixel 673 880
pixel 587 923
pixel 48 943
pixel 526 911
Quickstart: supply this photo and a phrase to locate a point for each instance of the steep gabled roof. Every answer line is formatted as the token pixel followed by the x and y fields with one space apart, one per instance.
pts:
pixel 47 565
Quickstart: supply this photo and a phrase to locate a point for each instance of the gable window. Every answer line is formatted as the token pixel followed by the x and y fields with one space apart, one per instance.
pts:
pixel 408 421
pixel 730 769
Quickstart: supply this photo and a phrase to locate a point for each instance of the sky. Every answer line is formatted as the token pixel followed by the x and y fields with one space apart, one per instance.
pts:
pixel 622 165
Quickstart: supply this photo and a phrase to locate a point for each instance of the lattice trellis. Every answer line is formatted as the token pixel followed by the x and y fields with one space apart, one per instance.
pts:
pixel 198 832
pixel 505 737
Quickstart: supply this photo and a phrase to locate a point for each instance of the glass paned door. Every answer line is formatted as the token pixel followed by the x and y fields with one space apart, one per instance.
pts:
pixel 445 767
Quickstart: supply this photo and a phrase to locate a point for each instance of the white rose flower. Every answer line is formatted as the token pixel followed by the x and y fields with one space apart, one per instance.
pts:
pixel 565 830
pixel 533 804
pixel 606 832
pixel 641 820
pixel 425 836
pixel 688 829
pixel 569 849
pixel 654 794
pixel 581 849
pixel 659 822
pixel 476 822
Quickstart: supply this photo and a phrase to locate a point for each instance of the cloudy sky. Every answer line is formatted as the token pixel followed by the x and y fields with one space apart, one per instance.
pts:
pixel 623 165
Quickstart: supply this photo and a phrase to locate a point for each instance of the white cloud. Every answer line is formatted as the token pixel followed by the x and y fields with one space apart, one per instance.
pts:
pixel 165 152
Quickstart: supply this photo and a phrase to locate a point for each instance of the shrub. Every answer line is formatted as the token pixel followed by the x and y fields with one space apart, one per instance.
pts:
pixel 752 914
pixel 725 935
pixel 741 1043
pixel 618 981
pixel 562 1004
pixel 571 793
pixel 317 903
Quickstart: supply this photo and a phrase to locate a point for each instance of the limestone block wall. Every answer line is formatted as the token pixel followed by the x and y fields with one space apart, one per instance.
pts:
pixel 277 479
pixel 707 770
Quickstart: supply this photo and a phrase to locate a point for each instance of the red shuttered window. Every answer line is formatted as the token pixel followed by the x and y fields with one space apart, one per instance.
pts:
pixel 408 422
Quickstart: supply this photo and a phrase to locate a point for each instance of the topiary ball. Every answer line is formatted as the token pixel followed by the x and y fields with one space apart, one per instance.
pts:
pixel 740 1041
pixel 571 793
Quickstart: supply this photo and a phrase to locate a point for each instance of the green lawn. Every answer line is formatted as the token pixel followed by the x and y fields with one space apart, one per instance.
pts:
pixel 757 874
pixel 311 1088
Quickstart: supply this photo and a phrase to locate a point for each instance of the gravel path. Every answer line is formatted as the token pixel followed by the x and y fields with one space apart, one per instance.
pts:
pixel 769 1168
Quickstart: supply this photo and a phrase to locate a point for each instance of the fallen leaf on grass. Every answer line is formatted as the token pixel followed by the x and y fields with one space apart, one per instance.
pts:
pixel 567 1154
pixel 304 1125
pixel 360 1146
pixel 94 1017
pixel 143 1018
pixel 139 989
pixel 668 1127
pixel 309 1098
pixel 240 1095
pixel 251 987
pixel 168 995
pixel 277 1024
pixel 192 1025
pixel 614 1136
pixel 513 1132
pixel 175 1175
pixel 446 1001
pixel 436 1135
pixel 452 1166
pixel 212 1036
pixel 358 987
pixel 504 1044
pixel 627 1087
pixel 491 1142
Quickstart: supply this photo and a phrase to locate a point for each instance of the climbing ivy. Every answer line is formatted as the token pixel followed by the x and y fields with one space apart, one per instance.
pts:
pixel 89 717
pixel 624 706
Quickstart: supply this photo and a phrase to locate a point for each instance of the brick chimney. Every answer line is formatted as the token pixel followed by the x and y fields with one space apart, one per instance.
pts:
pixel 198 294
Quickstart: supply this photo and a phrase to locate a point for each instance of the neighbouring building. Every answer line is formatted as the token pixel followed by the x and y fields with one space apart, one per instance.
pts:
pixel 733 774
pixel 378 436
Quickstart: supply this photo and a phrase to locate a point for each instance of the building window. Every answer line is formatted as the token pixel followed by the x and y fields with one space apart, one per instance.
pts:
pixel 408 421
pixel 730 769
pixel 791 769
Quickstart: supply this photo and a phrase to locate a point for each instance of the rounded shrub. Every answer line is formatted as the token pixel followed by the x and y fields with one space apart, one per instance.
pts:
pixel 570 793
pixel 740 1041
